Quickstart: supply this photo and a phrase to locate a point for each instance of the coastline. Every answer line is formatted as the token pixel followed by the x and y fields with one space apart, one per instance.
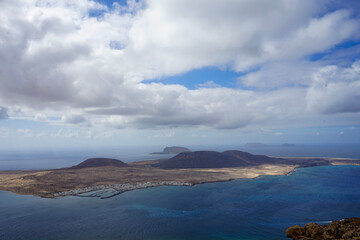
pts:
pixel 107 181
pixel 66 182
pixel 121 188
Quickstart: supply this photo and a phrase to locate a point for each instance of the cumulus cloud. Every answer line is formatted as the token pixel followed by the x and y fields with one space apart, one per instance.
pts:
pixel 215 107
pixel 73 118
pixel 58 59
pixel 280 74
pixel 47 45
pixel 335 90
pixel 40 117
pixel 178 36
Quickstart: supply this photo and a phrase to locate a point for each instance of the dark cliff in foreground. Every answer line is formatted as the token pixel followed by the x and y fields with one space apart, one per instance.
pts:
pixel 346 229
pixel 99 162
pixel 212 159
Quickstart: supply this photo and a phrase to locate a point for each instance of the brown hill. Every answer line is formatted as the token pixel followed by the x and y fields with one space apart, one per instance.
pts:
pixel 348 228
pixel 232 158
pixel 199 159
pixel 100 162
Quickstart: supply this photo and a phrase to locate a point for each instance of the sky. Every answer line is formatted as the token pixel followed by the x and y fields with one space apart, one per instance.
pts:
pixel 180 72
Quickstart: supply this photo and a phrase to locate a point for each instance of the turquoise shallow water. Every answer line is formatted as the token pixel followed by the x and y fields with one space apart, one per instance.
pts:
pixel 247 209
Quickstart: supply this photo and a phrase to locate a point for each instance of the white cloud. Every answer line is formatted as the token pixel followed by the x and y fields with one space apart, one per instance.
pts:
pixel 280 74
pixel 242 34
pixel 73 118
pixel 318 35
pixel 335 90
pixel 60 63
pixel 40 117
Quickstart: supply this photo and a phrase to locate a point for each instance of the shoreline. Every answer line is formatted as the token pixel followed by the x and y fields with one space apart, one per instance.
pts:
pixel 121 188
pixel 69 182
pixel 108 181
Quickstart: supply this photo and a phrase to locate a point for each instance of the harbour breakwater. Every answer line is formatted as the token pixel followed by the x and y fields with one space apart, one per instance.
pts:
pixel 107 191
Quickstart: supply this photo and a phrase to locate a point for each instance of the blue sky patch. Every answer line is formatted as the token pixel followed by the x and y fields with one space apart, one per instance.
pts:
pixel 344 45
pixel 96 13
pixel 204 77
pixel 109 3
pixel 116 45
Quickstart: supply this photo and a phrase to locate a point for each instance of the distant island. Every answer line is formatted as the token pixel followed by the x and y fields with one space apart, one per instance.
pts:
pixel 261 145
pixel 106 177
pixel 173 150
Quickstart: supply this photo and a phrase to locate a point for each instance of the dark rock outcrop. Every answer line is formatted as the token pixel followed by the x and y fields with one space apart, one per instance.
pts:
pixel 346 229
pixel 99 162
pixel 173 150
pixel 233 158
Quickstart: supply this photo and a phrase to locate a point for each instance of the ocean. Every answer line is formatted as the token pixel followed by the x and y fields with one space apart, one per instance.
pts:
pixel 246 209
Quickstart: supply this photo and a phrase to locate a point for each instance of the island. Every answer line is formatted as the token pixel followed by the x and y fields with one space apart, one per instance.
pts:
pixel 104 177
pixel 173 150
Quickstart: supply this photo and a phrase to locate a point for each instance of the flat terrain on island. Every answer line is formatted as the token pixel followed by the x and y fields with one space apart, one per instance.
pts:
pixel 184 169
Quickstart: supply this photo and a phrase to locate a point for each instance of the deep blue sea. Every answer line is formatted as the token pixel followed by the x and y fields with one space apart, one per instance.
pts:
pixel 261 208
